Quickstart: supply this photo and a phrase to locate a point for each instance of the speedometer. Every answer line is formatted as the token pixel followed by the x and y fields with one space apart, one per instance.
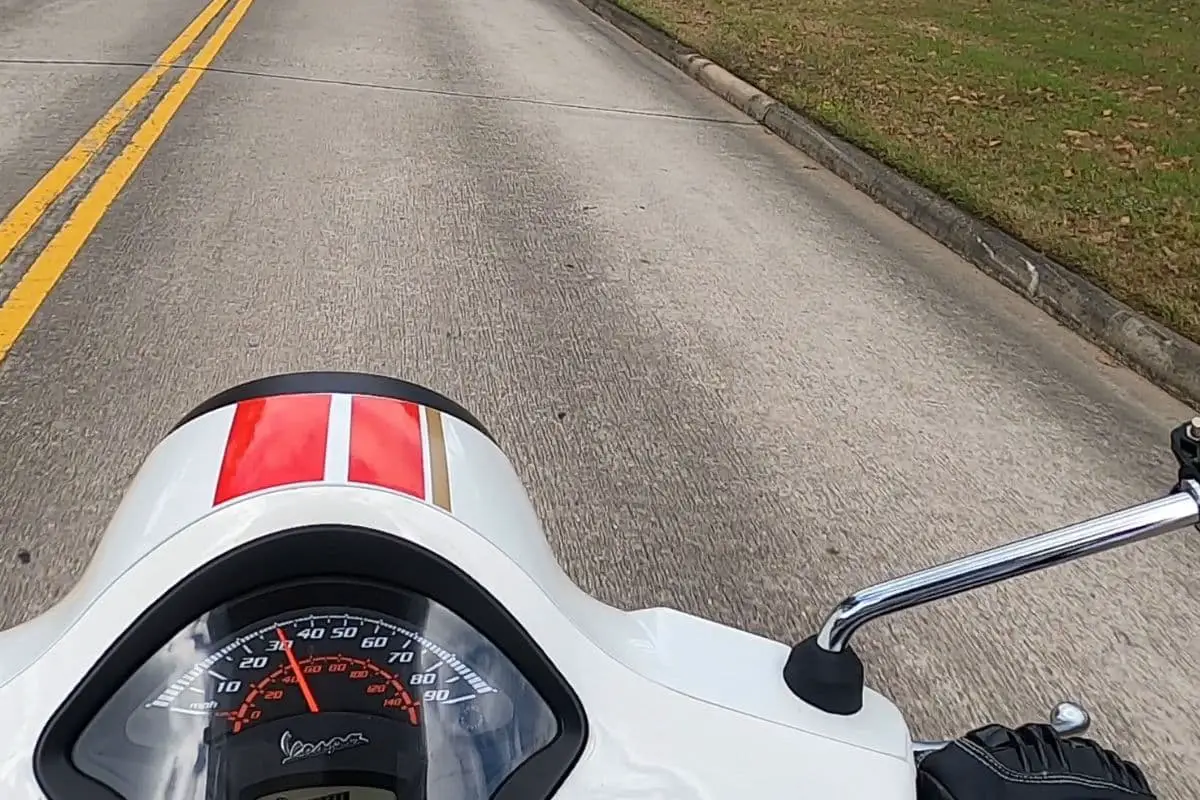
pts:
pixel 333 660
pixel 363 685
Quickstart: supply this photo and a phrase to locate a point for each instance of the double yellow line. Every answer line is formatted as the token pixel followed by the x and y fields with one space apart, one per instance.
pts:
pixel 29 294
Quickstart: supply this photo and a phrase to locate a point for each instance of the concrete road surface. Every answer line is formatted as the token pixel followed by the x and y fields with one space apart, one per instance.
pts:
pixel 733 385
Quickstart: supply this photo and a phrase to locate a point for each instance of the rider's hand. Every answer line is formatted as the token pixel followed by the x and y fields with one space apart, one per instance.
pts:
pixel 1030 763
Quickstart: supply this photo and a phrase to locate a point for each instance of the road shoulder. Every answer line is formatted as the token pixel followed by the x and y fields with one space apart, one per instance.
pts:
pixel 1170 360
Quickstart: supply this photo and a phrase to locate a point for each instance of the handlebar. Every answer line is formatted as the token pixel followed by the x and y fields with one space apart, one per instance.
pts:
pixel 1067 719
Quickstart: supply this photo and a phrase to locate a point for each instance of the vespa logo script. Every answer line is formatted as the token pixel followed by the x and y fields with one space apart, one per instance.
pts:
pixel 295 750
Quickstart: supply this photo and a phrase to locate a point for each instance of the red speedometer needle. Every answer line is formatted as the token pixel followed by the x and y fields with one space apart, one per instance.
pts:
pixel 300 679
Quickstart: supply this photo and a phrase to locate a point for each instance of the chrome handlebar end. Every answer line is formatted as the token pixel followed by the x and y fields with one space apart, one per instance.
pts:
pixel 1070 719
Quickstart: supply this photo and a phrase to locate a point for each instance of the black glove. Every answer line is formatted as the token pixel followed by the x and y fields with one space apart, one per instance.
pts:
pixel 1032 762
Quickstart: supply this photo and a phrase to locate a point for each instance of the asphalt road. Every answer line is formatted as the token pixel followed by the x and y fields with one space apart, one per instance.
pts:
pixel 732 384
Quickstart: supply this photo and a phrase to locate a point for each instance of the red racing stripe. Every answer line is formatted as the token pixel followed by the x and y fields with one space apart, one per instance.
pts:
pixel 385 445
pixel 274 441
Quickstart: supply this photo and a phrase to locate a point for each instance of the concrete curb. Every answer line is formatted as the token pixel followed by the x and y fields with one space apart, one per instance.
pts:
pixel 1167 358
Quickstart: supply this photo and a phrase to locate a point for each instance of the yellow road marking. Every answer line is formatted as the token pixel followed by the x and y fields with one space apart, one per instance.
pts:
pixel 35 285
pixel 25 214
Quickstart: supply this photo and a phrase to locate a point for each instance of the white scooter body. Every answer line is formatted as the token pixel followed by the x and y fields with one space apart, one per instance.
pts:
pixel 676 706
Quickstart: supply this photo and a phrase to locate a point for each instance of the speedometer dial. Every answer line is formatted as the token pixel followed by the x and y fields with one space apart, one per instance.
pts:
pixel 316 683
pixel 328 660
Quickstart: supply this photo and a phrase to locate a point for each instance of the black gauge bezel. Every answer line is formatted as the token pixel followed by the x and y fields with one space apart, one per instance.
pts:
pixel 289 600
pixel 360 383
pixel 321 552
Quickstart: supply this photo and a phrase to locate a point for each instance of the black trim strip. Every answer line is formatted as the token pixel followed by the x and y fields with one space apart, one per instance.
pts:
pixel 335 383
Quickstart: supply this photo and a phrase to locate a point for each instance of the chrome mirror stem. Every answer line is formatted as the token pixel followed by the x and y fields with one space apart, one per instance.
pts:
pixel 1022 557
pixel 824 671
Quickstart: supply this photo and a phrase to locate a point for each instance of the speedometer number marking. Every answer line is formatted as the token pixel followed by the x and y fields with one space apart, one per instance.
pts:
pixel 341 662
